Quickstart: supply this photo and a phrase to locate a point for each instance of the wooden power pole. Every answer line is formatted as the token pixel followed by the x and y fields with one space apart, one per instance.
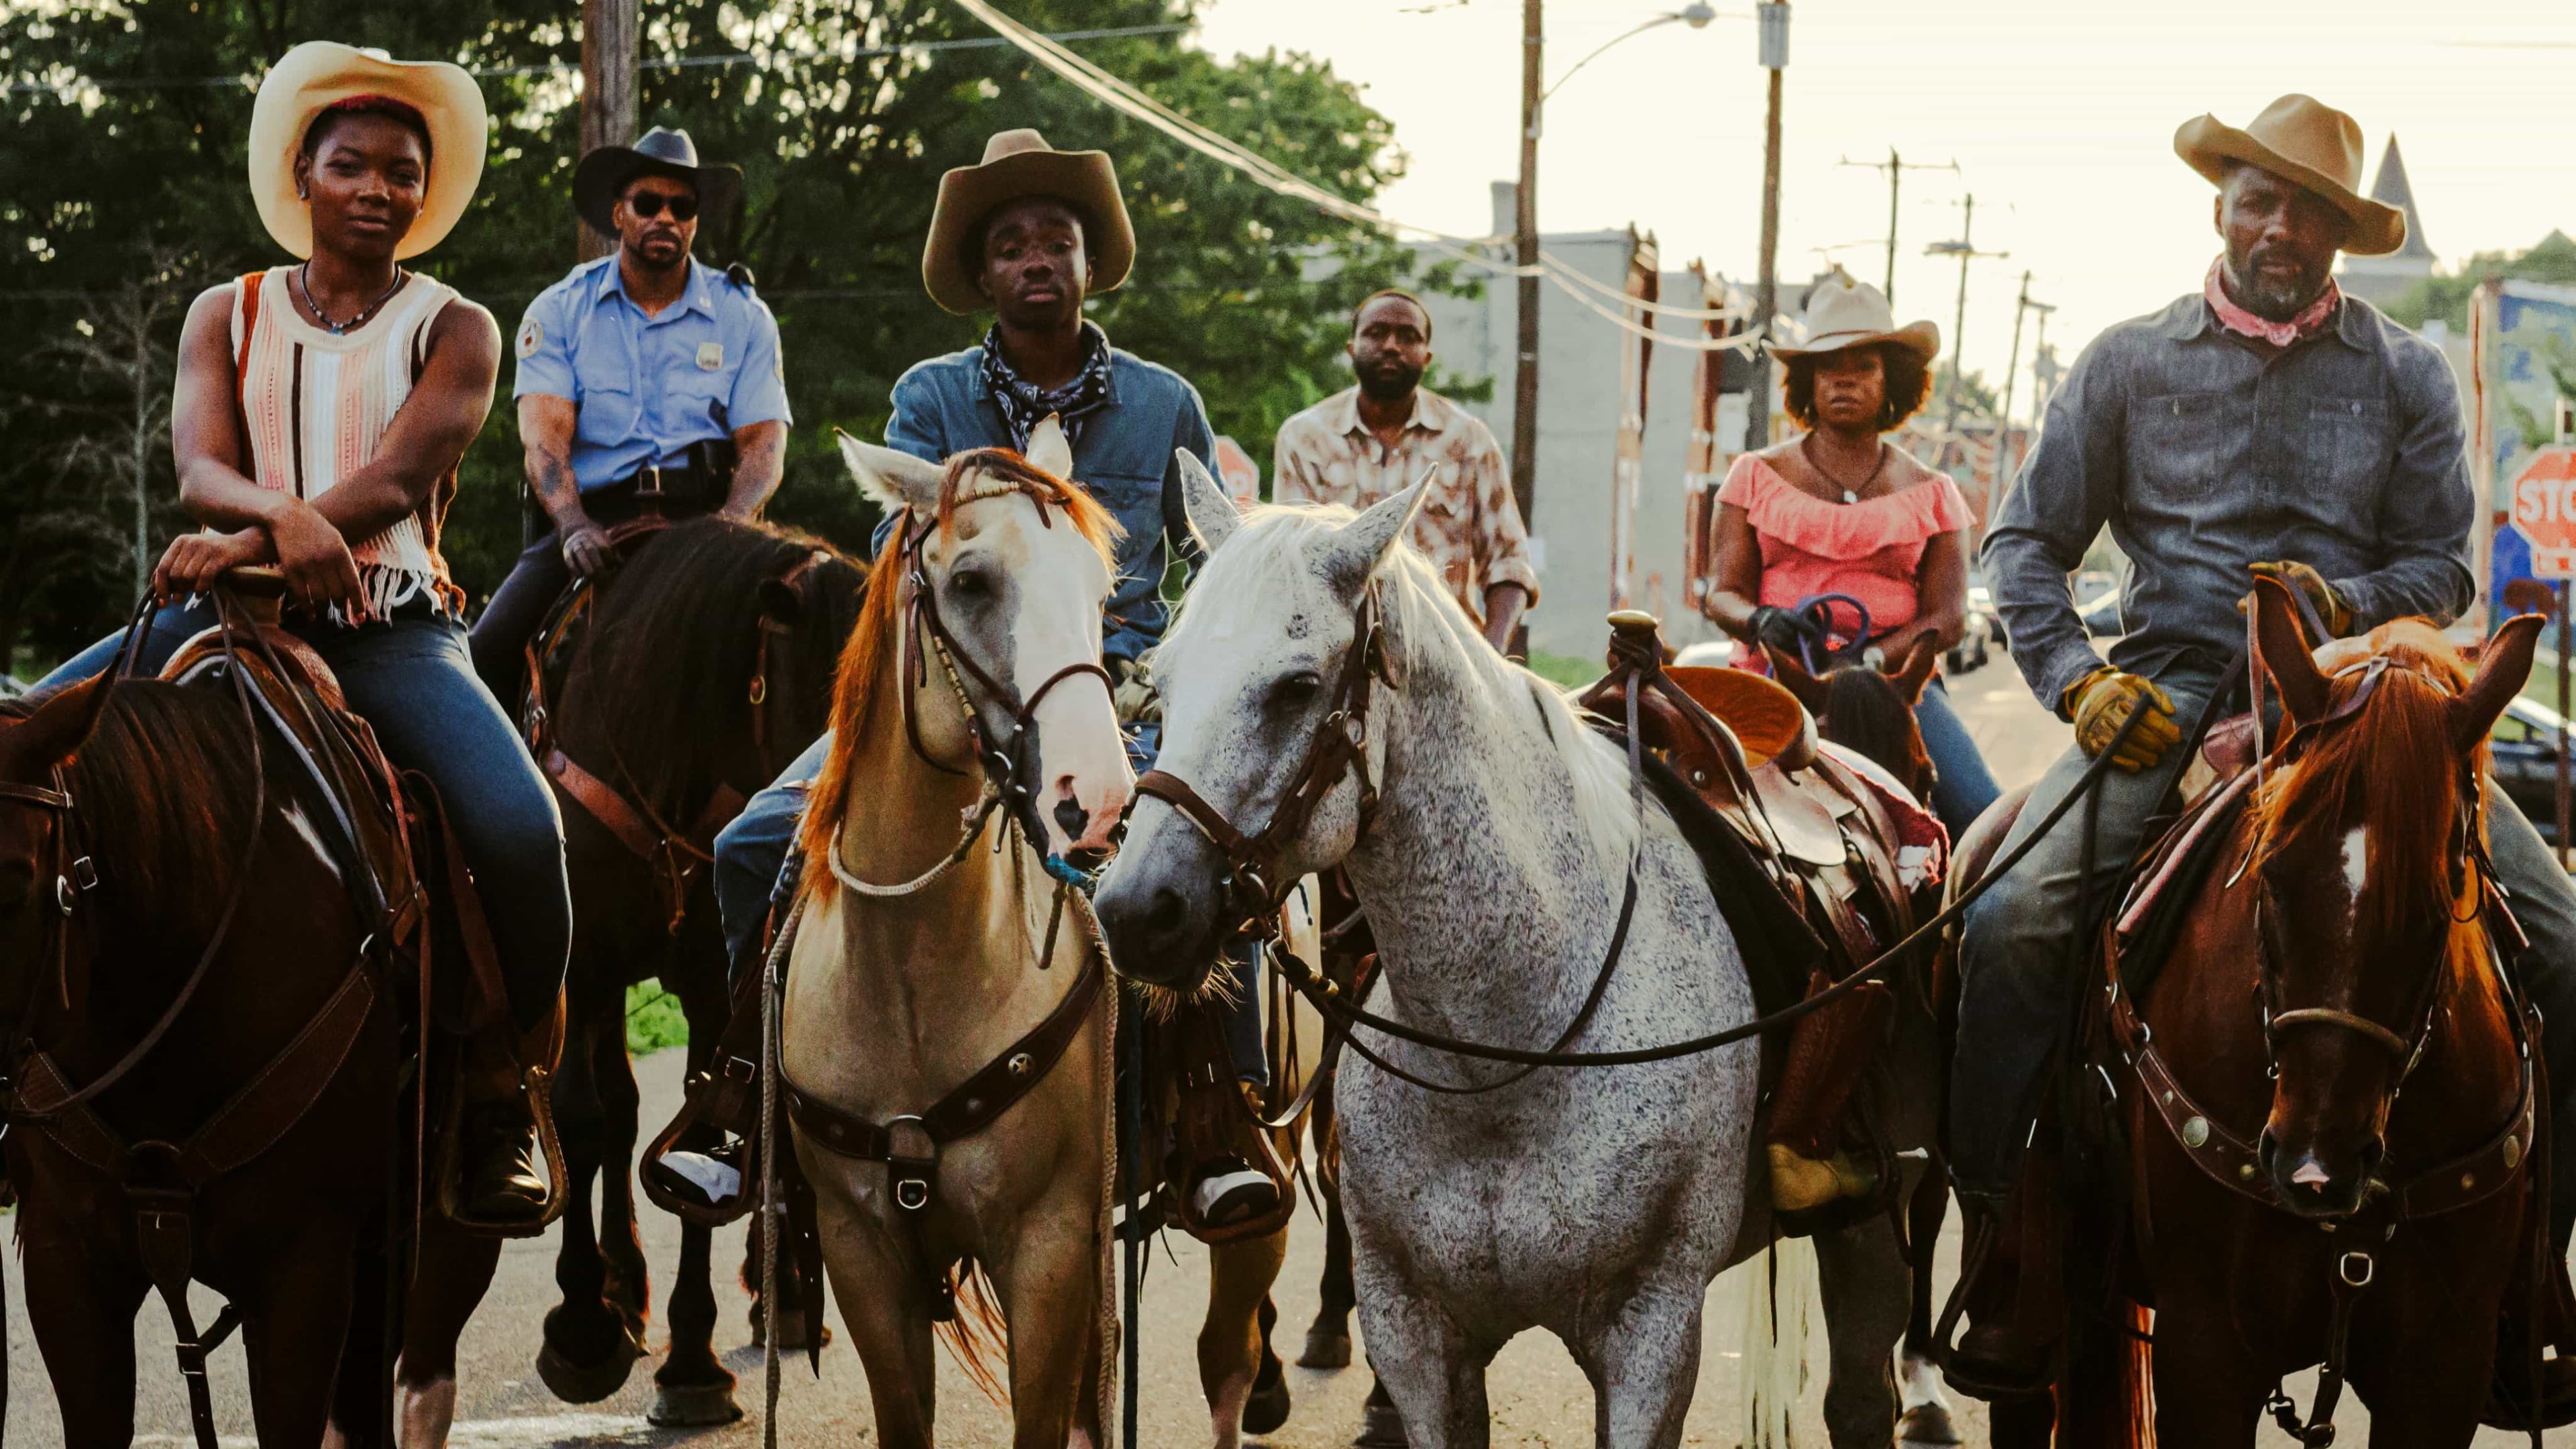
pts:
pixel 611 40
pixel 1525 223
pixel 1772 24
pixel 1896 166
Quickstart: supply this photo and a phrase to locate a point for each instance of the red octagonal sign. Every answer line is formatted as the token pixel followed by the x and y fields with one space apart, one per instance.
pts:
pixel 2544 509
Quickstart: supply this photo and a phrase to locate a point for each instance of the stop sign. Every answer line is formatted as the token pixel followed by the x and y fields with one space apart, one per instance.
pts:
pixel 2544 510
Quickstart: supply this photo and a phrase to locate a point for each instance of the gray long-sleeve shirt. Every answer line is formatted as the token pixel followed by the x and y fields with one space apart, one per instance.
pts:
pixel 2204 454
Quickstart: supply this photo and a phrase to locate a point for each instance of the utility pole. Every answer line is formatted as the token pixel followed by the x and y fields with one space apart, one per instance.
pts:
pixel 610 41
pixel 1896 166
pixel 1965 249
pixel 1773 25
pixel 1525 222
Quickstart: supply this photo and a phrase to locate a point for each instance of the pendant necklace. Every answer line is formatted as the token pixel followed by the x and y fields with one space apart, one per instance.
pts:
pixel 1850 494
pixel 343 329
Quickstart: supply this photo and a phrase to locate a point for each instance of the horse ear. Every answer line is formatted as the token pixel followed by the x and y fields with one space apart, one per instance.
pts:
pixel 780 602
pixel 2283 647
pixel 1911 676
pixel 1048 451
pixel 896 480
pixel 1353 552
pixel 54 730
pixel 2503 666
pixel 1212 514
pixel 1794 678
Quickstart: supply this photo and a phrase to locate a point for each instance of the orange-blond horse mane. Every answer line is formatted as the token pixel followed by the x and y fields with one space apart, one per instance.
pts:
pixel 864 658
pixel 2393 766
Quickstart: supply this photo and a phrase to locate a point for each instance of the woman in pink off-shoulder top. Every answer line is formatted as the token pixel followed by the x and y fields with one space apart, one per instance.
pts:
pixel 1839 510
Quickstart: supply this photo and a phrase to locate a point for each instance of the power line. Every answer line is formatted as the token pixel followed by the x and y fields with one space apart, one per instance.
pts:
pixel 570 67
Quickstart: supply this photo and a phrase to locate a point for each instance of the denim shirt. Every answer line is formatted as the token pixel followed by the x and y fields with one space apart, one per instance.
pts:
pixel 2204 454
pixel 1124 458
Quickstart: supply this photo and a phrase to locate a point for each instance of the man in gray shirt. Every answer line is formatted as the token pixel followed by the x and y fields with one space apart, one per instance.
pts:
pixel 2265 424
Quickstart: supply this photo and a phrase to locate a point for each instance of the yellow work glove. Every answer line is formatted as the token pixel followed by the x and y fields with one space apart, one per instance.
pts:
pixel 2332 611
pixel 2101 702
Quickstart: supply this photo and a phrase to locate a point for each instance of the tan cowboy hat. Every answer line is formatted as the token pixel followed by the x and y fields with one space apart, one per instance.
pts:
pixel 1843 313
pixel 1018 164
pixel 2306 142
pixel 319 74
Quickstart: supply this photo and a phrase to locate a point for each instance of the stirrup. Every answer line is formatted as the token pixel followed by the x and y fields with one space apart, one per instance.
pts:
pixel 1230 1194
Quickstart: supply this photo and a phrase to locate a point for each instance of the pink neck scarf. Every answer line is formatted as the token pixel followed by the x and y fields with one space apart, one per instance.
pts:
pixel 2280 334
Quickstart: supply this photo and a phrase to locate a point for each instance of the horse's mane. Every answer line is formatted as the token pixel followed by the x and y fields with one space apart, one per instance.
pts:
pixel 863 658
pixel 2391 767
pixel 1265 563
pixel 661 682
pixel 163 792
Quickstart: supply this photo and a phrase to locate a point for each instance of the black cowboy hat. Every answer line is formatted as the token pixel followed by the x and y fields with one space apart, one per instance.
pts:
pixel 661 151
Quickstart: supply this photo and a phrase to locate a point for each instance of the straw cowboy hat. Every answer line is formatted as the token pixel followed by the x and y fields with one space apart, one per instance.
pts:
pixel 2305 142
pixel 319 74
pixel 661 151
pixel 1017 164
pixel 1843 313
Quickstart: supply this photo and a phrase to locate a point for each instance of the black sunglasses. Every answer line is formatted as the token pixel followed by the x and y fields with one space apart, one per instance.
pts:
pixel 649 204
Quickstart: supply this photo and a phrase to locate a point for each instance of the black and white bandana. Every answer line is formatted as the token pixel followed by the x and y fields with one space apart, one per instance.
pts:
pixel 1024 405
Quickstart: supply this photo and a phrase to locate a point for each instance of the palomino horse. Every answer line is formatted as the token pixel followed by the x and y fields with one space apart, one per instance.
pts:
pixel 700 667
pixel 1504 866
pixel 182 924
pixel 945 1052
pixel 2289 1202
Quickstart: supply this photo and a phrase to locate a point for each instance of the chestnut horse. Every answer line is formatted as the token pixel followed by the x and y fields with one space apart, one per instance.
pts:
pixel 703 666
pixel 171 924
pixel 2289 1202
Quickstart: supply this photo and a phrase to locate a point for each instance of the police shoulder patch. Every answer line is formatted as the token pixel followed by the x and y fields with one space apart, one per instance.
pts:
pixel 532 335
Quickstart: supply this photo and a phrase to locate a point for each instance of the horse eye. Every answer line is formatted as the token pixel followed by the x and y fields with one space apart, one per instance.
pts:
pixel 1292 693
pixel 971 584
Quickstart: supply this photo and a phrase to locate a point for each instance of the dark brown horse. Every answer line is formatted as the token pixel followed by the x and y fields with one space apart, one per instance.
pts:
pixel 704 665
pixel 178 921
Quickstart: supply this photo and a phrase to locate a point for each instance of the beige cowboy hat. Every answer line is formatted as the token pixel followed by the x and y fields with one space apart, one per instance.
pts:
pixel 1843 313
pixel 1018 164
pixel 2309 143
pixel 319 74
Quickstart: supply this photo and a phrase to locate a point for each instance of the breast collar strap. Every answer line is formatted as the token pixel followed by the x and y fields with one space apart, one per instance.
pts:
pixel 1254 882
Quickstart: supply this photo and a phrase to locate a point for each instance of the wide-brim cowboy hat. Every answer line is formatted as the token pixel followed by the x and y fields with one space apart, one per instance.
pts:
pixel 1843 313
pixel 320 74
pixel 2309 144
pixel 1017 164
pixel 662 151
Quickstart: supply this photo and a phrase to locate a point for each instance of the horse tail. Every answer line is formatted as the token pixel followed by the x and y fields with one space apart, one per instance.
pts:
pixel 1779 1318
pixel 978 1337
pixel 2109 1397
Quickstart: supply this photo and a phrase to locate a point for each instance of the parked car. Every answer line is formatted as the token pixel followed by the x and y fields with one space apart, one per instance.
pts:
pixel 1980 635
pixel 2524 747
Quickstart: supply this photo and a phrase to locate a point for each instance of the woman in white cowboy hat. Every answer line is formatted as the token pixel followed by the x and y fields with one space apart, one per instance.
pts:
pixel 1840 510
pixel 321 408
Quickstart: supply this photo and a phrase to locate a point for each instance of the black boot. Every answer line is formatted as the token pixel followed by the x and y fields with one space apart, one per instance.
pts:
pixel 501 1182
pixel 1995 1357
pixel 2509 1397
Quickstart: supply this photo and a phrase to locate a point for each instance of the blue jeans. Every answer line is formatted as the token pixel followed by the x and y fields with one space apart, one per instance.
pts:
pixel 411 681
pixel 1962 787
pixel 751 876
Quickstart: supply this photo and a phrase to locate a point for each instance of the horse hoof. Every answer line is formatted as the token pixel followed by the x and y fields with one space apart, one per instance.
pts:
pixel 1267 1406
pixel 1381 1427
pixel 692 1406
pixel 1926 1426
pixel 1326 1348
pixel 579 1383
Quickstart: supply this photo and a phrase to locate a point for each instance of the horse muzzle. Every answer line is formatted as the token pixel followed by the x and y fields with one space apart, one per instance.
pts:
pixel 2318 1181
pixel 1162 912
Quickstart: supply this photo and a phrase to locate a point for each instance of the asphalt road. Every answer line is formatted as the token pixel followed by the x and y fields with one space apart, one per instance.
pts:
pixel 1538 1395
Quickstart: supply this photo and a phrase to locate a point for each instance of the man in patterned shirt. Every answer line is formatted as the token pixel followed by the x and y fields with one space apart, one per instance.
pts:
pixel 1368 441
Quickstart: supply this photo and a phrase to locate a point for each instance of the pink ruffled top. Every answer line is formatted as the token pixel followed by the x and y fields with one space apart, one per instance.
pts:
pixel 1869 550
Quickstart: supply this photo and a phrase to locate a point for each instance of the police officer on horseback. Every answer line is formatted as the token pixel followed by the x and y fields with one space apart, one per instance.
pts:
pixel 647 380
pixel 2264 424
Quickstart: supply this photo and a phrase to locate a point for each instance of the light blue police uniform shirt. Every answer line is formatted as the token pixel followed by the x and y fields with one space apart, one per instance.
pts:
pixel 648 387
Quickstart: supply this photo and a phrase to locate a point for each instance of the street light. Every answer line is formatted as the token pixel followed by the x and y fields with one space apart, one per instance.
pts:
pixel 1534 95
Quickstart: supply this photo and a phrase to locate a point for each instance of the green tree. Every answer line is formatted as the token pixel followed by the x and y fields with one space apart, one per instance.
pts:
pixel 842 134
pixel 2447 296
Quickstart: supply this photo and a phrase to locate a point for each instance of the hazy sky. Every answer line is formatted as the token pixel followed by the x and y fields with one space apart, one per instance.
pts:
pixel 2060 114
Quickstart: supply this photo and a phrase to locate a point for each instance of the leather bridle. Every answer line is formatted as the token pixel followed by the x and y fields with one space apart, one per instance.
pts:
pixel 1256 882
pixel 926 634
